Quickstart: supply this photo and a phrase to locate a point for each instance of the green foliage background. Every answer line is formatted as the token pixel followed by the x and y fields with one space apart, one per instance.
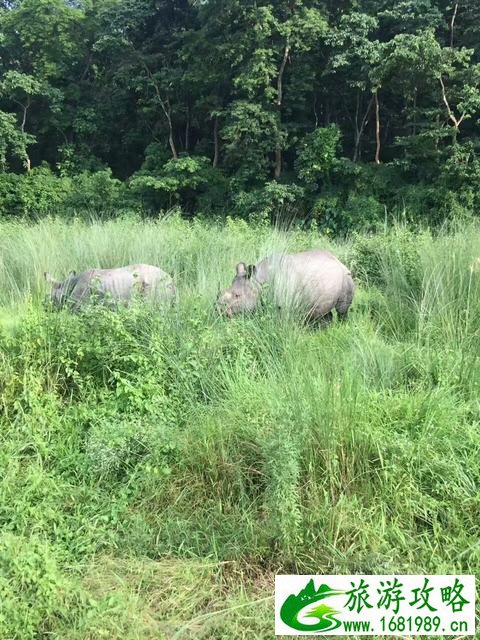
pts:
pixel 202 104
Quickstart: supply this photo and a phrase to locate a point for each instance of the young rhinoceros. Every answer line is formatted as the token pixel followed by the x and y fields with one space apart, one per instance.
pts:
pixel 312 282
pixel 116 285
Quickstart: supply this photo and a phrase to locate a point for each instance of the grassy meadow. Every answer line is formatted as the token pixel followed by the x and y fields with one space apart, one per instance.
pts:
pixel 157 468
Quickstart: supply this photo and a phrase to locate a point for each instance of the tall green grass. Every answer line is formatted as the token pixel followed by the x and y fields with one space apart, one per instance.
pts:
pixel 158 468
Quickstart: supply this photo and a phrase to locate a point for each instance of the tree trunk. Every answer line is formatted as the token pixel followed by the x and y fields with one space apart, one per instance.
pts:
pixel 171 142
pixel 187 131
pixel 414 123
pixel 456 121
pixel 377 127
pixel 278 149
pixel 28 162
pixel 454 135
pixel 356 134
pixel 24 119
pixel 170 133
pixel 315 109
pixel 216 146
pixel 165 105
pixel 359 128
pixel 452 23
pixel 167 111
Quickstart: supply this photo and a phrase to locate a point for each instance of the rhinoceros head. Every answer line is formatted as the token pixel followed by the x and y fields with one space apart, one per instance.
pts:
pixel 242 296
pixel 59 290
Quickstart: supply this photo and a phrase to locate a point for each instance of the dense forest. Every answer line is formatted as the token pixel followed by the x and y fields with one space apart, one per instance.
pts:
pixel 340 112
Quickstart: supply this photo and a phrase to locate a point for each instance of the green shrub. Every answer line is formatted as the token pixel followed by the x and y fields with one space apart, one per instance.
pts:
pixel 41 193
pixel 317 155
pixel 376 258
pixel 116 444
pixel 11 202
pixel 178 182
pixel 99 348
pixel 34 594
pixel 274 202
pixel 333 215
pixel 99 193
pixel 35 194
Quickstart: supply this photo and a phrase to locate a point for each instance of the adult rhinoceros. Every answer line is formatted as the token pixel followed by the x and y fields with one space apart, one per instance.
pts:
pixel 116 285
pixel 312 282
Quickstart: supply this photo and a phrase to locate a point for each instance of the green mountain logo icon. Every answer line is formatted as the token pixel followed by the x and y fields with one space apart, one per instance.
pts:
pixel 323 613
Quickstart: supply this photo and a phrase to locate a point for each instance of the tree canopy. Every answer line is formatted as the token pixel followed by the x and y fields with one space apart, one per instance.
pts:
pixel 261 96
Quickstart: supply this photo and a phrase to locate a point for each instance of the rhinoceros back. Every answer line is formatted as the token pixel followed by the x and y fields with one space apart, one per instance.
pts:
pixel 314 282
pixel 122 283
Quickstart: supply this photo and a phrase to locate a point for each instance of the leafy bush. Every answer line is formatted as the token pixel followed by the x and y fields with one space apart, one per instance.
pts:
pixel 335 216
pixel 116 444
pixel 75 159
pixel 274 202
pixel 34 593
pixel 183 181
pixel 461 170
pixel 13 142
pixel 97 192
pixel 100 348
pixel 35 194
pixel 41 193
pixel 377 257
pixel 317 155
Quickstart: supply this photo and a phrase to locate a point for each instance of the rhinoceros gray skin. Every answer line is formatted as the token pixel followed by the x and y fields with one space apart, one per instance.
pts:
pixel 312 282
pixel 116 285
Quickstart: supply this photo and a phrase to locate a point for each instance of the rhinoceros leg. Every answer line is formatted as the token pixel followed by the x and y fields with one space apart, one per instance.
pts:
pixel 320 322
pixel 325 320
pixel 345 300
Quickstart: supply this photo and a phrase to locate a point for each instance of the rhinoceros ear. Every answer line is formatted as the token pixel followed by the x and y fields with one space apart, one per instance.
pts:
pixel 72 274
pixel 49 278
pixel 241 270
pixel 250 270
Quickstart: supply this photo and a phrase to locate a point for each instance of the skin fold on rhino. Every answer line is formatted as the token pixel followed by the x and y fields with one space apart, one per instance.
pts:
pixel 313 283
pixel 116 285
